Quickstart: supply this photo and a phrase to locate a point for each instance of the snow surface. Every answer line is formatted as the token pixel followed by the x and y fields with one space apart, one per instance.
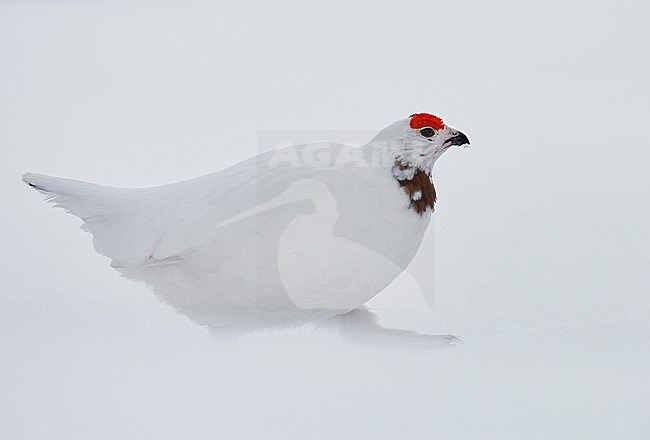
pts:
pixel 538 256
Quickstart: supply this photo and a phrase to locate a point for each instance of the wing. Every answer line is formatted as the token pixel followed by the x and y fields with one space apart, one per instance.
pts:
pixel 165 224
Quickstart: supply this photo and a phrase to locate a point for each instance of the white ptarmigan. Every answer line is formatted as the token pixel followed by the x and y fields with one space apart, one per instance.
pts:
pixel 302 234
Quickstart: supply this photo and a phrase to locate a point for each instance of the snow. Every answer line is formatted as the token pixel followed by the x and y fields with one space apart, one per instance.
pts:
pixel 537 257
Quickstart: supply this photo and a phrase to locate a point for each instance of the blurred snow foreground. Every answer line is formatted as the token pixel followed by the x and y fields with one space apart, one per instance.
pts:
pixel 304 234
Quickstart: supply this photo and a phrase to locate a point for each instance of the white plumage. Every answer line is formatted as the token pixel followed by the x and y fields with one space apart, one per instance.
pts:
pixel 274 240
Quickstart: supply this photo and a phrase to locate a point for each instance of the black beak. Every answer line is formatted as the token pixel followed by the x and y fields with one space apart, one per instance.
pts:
pixel 459 139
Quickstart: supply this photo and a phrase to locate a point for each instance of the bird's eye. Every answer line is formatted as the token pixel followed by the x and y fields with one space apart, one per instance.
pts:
pixel 427 132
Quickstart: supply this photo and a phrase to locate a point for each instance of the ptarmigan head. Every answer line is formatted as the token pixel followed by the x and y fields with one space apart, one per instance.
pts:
pixel 410 147
pixel 418 141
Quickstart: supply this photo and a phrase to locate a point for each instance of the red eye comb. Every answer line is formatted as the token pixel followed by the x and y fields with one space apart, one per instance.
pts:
pixel 420 120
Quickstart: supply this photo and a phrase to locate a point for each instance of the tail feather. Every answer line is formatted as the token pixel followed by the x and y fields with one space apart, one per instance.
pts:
pixel 79 198
pixel 112 215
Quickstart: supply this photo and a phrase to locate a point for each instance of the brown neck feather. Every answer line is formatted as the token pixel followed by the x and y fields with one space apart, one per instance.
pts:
pixel 419 188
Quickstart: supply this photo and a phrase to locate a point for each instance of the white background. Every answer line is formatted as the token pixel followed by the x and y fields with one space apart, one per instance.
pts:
pixel 540 235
